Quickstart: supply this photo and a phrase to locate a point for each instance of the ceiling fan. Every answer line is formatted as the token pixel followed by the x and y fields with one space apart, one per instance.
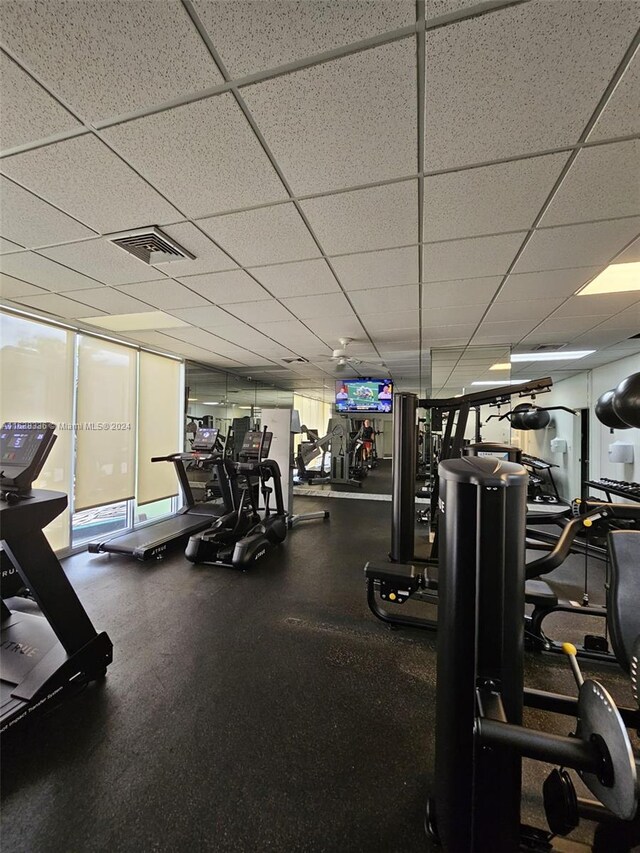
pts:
pixel 342 360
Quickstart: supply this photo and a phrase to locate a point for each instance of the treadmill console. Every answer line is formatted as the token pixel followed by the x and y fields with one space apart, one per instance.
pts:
pixel 256 445
pixel 205 440
pixel 24 448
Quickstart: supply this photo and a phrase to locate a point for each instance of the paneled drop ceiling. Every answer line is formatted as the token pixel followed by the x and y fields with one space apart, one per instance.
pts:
pixel 414 176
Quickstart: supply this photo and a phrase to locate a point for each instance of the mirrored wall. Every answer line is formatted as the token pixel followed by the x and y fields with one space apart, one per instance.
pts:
pixel 214 398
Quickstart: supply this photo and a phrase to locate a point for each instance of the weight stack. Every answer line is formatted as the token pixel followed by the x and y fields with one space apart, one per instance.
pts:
pixel 482 521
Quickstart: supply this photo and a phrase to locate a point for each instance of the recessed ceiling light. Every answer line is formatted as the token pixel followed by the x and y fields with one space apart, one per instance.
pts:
pixel 562 355
pixel 135 322
pixel 211 404
pixel 192 399
pixel 502 382
pixel 245 407
pixel 617 278
pixel 505 366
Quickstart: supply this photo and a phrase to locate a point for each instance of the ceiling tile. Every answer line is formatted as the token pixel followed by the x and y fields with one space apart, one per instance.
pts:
pixel 8 246
pixel 387 268
pixel 208 257
pixel 201 338
pixel 103 260
pixel 630 254
pixel 11 288
pixel 24 217
pixel 490 199
pixel 466 313
pixel 566 328
pixel 569 246
pixel 44 273
pixel 392 319
pixel 110 57
pixel 109 300
pixel 474 257
pixel 603 182
pixel 483 104
pixel 435 8
pixel 372 218
pixel 502 332
pixel 437 333
pixel 369 132
pixel 397 340
pixel 331 329
pixel 267 235
pixel 386 299
pixel 544 285
pixel 289 332
pixel 253 36
pixel 301 278
pixel 164 294
pixel 224 288
pixel 621 116
pixel 202 316
pixel 204 156
pixel 447 294
pixel 627 319
pixel 533 309
pixel 60 306
pixel 28 112
pixel 84 178
pixel 267 311
pixel 604 304
pixel 320 305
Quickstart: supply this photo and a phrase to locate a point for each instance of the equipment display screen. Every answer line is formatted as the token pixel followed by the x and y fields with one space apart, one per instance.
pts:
pixel 205 439
pixel 251 443
pixel 18 447
pixel 364 395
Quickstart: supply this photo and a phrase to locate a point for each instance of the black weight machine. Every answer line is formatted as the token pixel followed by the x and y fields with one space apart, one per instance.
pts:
pixel 48 644
pixel 480 738
pixel 407 576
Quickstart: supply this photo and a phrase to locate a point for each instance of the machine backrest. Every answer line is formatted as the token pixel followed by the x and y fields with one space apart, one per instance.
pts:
pixel 623 596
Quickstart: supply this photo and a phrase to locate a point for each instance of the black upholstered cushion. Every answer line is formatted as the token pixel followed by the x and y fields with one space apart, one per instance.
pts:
pixel 623 597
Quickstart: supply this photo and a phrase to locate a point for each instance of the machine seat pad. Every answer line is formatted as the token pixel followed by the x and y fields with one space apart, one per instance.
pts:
pixel 540 594
pixel 394 573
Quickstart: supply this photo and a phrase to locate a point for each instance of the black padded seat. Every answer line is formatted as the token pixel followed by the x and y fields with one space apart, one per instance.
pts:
pixel 623 596
pixel 540 594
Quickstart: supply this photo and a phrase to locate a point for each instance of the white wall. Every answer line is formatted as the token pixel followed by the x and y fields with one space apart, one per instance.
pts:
pixel 573 393
pixel 581 392
pixel 603 379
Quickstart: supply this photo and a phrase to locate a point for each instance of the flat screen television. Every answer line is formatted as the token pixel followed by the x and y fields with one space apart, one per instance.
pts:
pixel 364 395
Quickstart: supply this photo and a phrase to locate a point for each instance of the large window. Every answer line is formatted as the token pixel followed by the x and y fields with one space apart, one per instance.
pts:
pixel 123 407
pixel 106 416
pixel 37 385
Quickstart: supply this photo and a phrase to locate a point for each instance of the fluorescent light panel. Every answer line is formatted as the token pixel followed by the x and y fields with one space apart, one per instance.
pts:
pixel 505 366
pixel 617 278
pixel 561 355
pixel 135 322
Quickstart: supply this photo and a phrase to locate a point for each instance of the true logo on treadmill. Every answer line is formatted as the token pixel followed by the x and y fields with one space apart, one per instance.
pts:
pixel 260 554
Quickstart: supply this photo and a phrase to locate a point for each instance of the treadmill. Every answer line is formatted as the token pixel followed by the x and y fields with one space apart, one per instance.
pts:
pixel 151 542
pixel 48 643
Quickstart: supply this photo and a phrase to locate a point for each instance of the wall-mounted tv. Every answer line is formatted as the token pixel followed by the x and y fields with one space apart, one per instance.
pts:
pixel 364 395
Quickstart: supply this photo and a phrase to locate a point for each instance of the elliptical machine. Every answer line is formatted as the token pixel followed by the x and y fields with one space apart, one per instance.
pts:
pixel 241 537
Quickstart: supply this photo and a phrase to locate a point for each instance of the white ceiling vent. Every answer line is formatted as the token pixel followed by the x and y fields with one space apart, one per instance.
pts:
pixel 295 359
pixel 548 347
pixel 151 245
